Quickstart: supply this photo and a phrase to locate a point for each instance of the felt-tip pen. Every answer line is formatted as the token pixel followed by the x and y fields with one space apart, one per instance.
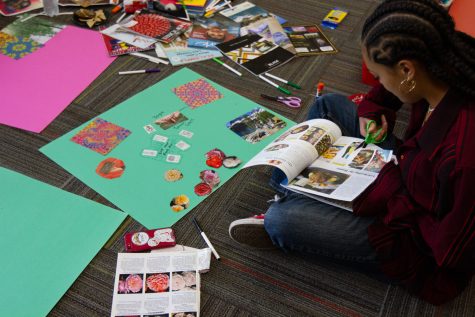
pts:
pixel 140 71
pixel 203 235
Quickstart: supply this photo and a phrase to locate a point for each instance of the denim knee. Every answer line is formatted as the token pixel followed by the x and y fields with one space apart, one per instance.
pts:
pixel 322 106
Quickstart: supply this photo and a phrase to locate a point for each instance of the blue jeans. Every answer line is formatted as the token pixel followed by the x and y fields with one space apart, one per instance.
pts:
pixel 297 223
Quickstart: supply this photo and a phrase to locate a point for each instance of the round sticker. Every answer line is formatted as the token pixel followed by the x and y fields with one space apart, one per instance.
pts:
pixel 173 175
pixel 139 238
pixel 110 168
pixel 180 203
pixel 203 189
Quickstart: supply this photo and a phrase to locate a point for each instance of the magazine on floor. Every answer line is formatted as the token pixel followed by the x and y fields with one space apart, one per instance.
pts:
pixel 321 163
pixel 270 29
pixel 309 40
pixel 255 53
pixel 157 283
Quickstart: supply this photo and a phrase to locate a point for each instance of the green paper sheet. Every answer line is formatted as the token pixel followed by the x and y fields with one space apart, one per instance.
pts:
pixel 142 190
pixel 49 237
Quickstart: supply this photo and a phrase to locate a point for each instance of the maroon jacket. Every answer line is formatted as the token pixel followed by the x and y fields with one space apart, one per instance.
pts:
pixel 425 205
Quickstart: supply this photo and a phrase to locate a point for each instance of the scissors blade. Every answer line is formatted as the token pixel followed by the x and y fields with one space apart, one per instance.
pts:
pixel 362 145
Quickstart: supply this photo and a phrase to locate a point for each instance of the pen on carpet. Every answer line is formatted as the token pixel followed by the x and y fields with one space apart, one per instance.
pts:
pixel 203 235
pixel 227 66
pixel 150 58
pixel 140 71
pixel 284 81
pixel 285 91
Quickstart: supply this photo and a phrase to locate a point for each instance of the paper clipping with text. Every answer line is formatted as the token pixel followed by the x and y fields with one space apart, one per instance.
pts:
pixel 158 284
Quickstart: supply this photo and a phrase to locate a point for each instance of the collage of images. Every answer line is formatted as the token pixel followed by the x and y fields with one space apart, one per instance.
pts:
pixel 153 283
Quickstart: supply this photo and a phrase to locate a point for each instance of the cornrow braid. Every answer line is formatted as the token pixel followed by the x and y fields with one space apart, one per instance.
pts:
pixel 421 30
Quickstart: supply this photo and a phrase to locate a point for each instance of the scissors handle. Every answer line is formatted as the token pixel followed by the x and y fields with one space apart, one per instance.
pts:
pixel 371 137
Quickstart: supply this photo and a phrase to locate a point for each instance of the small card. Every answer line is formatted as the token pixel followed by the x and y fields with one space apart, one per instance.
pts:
pixel 150 153
pixel 149 128
pixel 186 134
pixel 173 158
pixel 182 145
pixel 160 138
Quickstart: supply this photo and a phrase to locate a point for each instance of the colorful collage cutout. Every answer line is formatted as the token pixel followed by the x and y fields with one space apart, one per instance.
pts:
pixel 101 136
pixel 197 93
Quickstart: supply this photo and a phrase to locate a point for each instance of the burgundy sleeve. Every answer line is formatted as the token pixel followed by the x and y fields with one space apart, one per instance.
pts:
pixel 377 102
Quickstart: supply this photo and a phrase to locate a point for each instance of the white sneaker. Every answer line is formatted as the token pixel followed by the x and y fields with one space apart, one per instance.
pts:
pixel 251 232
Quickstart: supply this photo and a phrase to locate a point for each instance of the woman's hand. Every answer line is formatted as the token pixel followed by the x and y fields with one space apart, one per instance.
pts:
pixel 373 128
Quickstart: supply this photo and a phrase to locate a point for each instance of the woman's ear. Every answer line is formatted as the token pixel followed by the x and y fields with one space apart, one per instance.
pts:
pixel 407 69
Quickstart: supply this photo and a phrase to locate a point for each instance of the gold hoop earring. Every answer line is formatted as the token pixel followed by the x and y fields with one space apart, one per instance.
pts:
pixel 407 86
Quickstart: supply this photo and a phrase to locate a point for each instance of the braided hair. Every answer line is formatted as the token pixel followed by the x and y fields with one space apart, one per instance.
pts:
pixel 421 30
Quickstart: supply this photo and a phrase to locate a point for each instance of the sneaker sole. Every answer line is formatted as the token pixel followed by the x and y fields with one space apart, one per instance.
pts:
pixel 251 232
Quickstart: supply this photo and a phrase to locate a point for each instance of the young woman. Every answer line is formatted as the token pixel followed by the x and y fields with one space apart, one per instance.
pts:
pixel 416 222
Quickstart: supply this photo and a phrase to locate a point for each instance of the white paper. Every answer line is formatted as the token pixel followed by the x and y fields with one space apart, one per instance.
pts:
pixel 157 283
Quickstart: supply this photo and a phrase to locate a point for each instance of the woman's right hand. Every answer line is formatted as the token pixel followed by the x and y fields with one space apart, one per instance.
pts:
pixel 373 128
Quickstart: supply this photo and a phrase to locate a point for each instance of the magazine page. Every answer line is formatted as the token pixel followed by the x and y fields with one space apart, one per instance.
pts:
pixel 255 53
pixel 309 40
pixel 155 26
pixel 206 33
pixel 298 147
pixel 247 12
pixel 123 34
pixel 179 53
pixel 158 284
pixel 342 172
pixel 270 29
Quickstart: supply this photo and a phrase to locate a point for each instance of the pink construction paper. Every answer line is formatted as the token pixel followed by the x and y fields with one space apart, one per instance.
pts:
pixel 36 88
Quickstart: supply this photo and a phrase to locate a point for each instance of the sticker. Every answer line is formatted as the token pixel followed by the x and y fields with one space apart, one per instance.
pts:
pixel 231 162
pixel 110 168
pixel 164 235
pixel 173 175
pixel 153 242
pixel 215 152
pixel 186 134
pixel 180 203
pixel 214 161
pixel 170 120
pixel 160 138
pixel 173 158
pixel 139 238
pixel 210 177
pixel 182 145
pixel 256 125
pixel 197 93
pixel 202 189
pixel 150 153
pixel 149 128
pixel 101 136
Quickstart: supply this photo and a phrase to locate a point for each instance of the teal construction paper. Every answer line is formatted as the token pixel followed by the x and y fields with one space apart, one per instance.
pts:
pixel 49 236
pixel 142 191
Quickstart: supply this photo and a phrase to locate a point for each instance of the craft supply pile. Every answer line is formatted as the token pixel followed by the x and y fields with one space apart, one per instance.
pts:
pixel 186 138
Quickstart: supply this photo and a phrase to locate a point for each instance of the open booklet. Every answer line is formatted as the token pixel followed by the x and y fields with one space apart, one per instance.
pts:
pixel 321 163
pixel 157 284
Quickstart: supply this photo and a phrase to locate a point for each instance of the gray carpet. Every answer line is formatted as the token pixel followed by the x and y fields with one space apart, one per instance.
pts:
pixel 245 282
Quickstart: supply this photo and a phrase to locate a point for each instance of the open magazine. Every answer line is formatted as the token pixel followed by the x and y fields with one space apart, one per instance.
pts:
pixel 321 163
